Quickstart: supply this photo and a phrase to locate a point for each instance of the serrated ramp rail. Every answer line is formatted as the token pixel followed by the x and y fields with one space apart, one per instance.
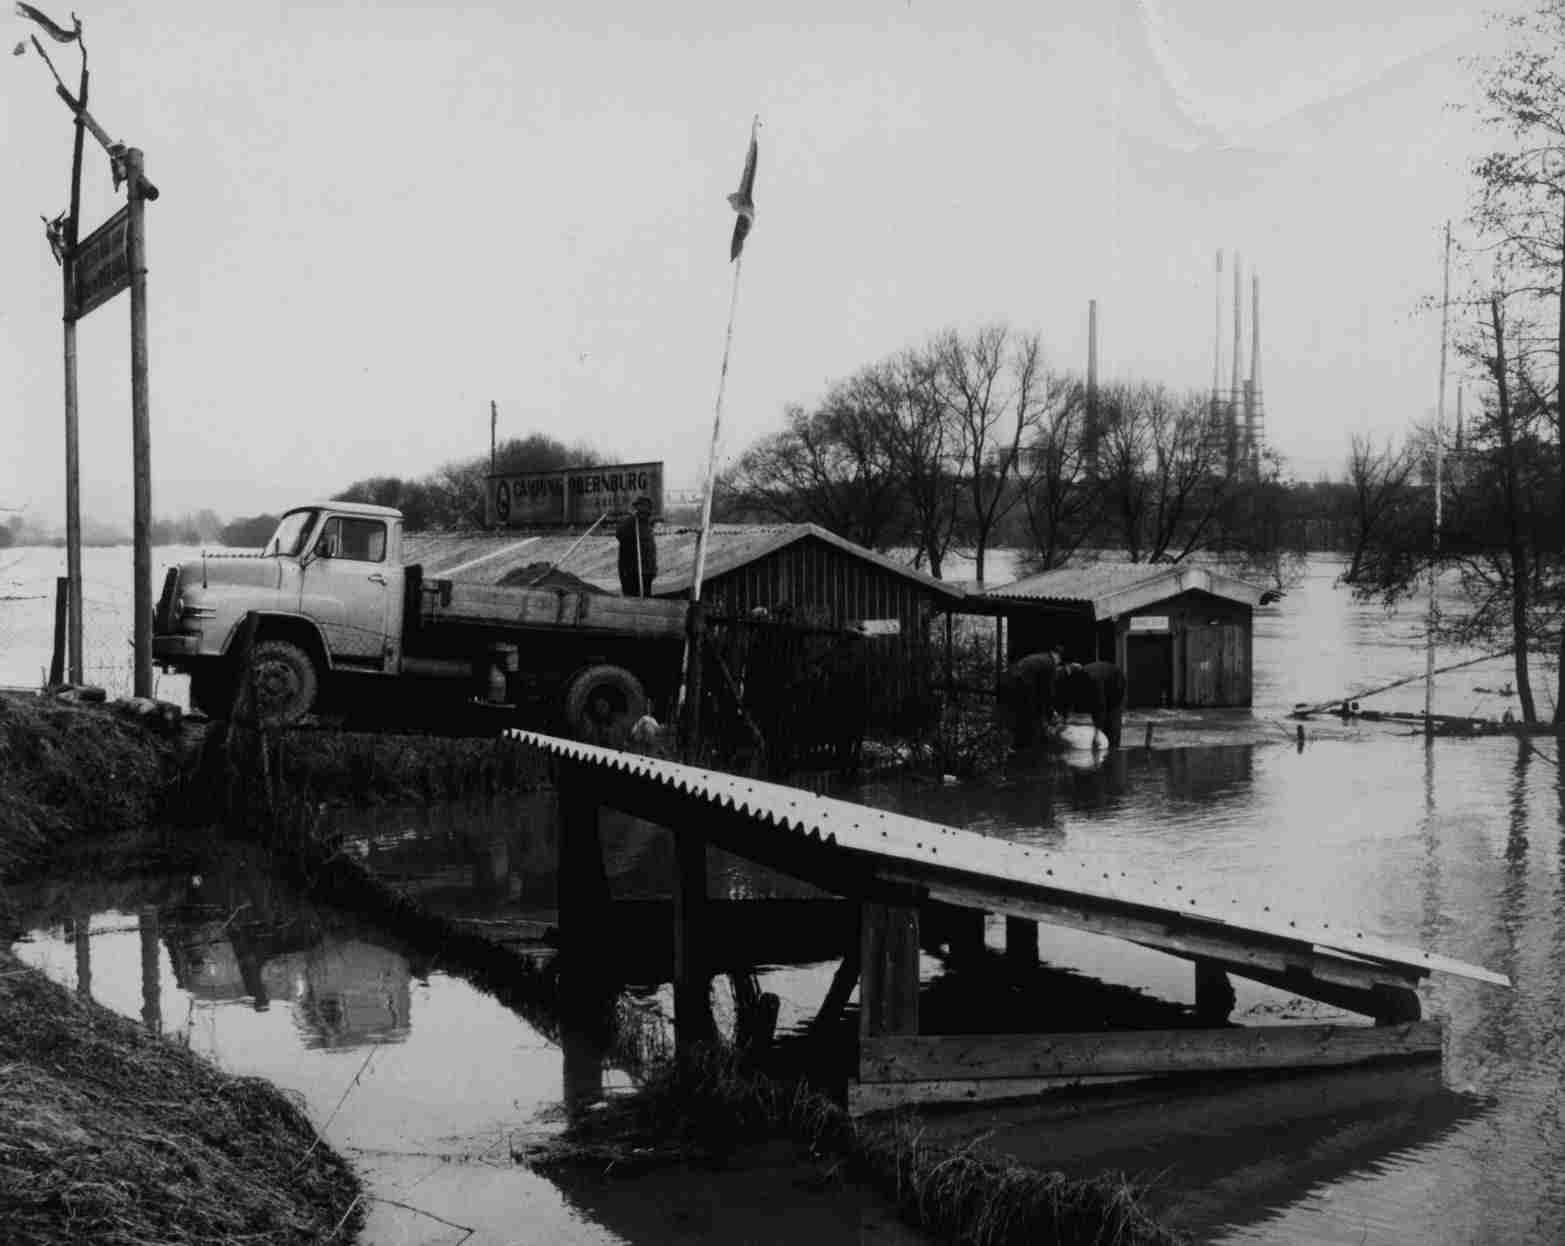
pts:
pixel 981 871
pixel 901 870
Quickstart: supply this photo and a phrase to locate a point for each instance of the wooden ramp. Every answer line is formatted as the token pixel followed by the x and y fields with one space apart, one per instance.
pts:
pixel 902 870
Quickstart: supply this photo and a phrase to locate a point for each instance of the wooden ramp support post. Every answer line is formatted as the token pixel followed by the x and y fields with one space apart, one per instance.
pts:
pixel 581 882
pixel 1214 993
pixel 888 967
pixel 692 927
pixel 1021 942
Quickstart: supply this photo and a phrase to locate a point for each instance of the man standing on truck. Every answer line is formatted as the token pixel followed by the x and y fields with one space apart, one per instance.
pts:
pixel 638 553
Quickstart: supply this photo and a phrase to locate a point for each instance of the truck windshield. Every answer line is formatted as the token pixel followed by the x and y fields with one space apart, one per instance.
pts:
pixel 290 534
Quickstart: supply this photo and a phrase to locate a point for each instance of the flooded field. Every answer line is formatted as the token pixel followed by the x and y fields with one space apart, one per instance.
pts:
pixel 427 1082
pixel 27 579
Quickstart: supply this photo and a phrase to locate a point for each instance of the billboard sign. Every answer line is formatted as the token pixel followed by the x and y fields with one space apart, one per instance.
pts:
pixel 571 496
pixel 102 264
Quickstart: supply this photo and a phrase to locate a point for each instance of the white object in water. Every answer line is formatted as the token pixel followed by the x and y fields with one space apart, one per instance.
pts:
pixel 1082 736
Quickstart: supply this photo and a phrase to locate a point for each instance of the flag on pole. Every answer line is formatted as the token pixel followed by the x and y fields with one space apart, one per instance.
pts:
pixel 742 200
pixel 58 33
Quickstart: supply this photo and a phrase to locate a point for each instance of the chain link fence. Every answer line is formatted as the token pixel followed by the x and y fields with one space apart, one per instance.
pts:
pixel 27 625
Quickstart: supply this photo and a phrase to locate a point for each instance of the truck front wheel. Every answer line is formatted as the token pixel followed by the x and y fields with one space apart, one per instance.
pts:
pixel 285 681
pixel 603 703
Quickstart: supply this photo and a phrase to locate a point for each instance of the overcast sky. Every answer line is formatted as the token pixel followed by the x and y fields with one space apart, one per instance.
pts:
pixel 377 217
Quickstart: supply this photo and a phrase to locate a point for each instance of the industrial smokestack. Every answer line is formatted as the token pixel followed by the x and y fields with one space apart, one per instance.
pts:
pixel 1092 352
pixel 1217 333
pixel 1234 395
pixel 1252 423
pixel 1092 386
pixel 1255 331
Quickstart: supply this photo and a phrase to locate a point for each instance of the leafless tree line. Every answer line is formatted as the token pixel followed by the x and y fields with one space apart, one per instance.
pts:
pixel 941 446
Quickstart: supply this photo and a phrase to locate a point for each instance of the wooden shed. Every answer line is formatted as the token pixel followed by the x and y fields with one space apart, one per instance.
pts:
pixel 1182 634
pixel 812 571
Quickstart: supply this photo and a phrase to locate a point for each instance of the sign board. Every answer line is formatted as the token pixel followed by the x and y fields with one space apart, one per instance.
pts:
pixel 571 496
pixel 1149 623
pixel 102 264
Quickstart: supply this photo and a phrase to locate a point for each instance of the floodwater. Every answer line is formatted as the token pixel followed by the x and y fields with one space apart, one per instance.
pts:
pixel 27 579
pixel 428 1082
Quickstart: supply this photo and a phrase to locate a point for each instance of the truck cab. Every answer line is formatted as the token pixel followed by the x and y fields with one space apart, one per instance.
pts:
pixel 326 593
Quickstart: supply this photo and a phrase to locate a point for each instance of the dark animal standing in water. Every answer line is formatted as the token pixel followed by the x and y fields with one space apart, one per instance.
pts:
pixel 1027 691
pixel 1098 688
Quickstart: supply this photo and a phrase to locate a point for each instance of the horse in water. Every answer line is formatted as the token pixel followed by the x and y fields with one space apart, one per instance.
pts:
pixel 1097 689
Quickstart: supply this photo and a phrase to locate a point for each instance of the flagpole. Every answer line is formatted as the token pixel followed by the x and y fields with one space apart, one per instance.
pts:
pixel 1434 560
pixel 688 668
pixel 688 708
pixel 717 424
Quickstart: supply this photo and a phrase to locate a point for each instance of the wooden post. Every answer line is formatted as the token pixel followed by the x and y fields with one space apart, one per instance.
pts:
pixel 582 1075
pixel 151 985
pixel 695 631
pixel 82 936
pixel 62 607
pixel 888 987
pixel 73 505
pixel 1021 942
pixel 692 983
pixel 137 192
pixel 1214 994
pixel 581 884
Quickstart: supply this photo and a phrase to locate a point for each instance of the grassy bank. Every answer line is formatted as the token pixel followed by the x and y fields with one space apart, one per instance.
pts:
pixel 70 773
pixel 112 1136
pixel 109 1134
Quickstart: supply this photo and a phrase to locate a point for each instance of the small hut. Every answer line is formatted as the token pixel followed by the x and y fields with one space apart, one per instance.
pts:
pixel 1182 634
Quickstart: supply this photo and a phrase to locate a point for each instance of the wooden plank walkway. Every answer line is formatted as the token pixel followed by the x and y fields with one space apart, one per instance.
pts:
pixel 896 866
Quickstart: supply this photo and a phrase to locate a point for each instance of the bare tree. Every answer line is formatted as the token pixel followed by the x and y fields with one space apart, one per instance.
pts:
pixel 831 466
pixel 1062 501
pixel 1519 207
pixel 1380 481
pixel 993 390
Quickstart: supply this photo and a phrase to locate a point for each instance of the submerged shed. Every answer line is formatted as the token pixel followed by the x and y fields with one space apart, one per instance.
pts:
pixel 1182 634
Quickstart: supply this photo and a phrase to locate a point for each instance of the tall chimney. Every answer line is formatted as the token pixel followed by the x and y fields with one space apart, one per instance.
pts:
pixel 1217 334
pixel 1092 387
pixel 1234 395
pixel 1252 413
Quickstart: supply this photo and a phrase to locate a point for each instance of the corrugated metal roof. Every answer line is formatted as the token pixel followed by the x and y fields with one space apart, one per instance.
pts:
pixel 489 558
pixel 1112 588
pixel 935 854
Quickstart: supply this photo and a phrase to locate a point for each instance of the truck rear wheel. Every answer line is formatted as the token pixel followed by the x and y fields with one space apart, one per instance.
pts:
pixel 284 681
pixel 603 703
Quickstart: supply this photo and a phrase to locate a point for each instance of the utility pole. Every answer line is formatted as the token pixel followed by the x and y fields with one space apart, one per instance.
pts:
pixel 112 258
pixel 73 496
pixel 136 195
pixel 494 425
pixel 1434 539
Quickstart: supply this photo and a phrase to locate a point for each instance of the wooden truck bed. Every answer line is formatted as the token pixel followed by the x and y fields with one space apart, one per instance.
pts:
pixel 489 605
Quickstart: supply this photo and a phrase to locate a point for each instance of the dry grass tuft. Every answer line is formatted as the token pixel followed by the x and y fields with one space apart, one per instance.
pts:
pixel 112 1136
pixel 705 1105
pixel 68 772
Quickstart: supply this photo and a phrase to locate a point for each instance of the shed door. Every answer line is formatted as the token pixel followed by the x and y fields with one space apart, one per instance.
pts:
pixel 1215 670
pixel 1149 674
